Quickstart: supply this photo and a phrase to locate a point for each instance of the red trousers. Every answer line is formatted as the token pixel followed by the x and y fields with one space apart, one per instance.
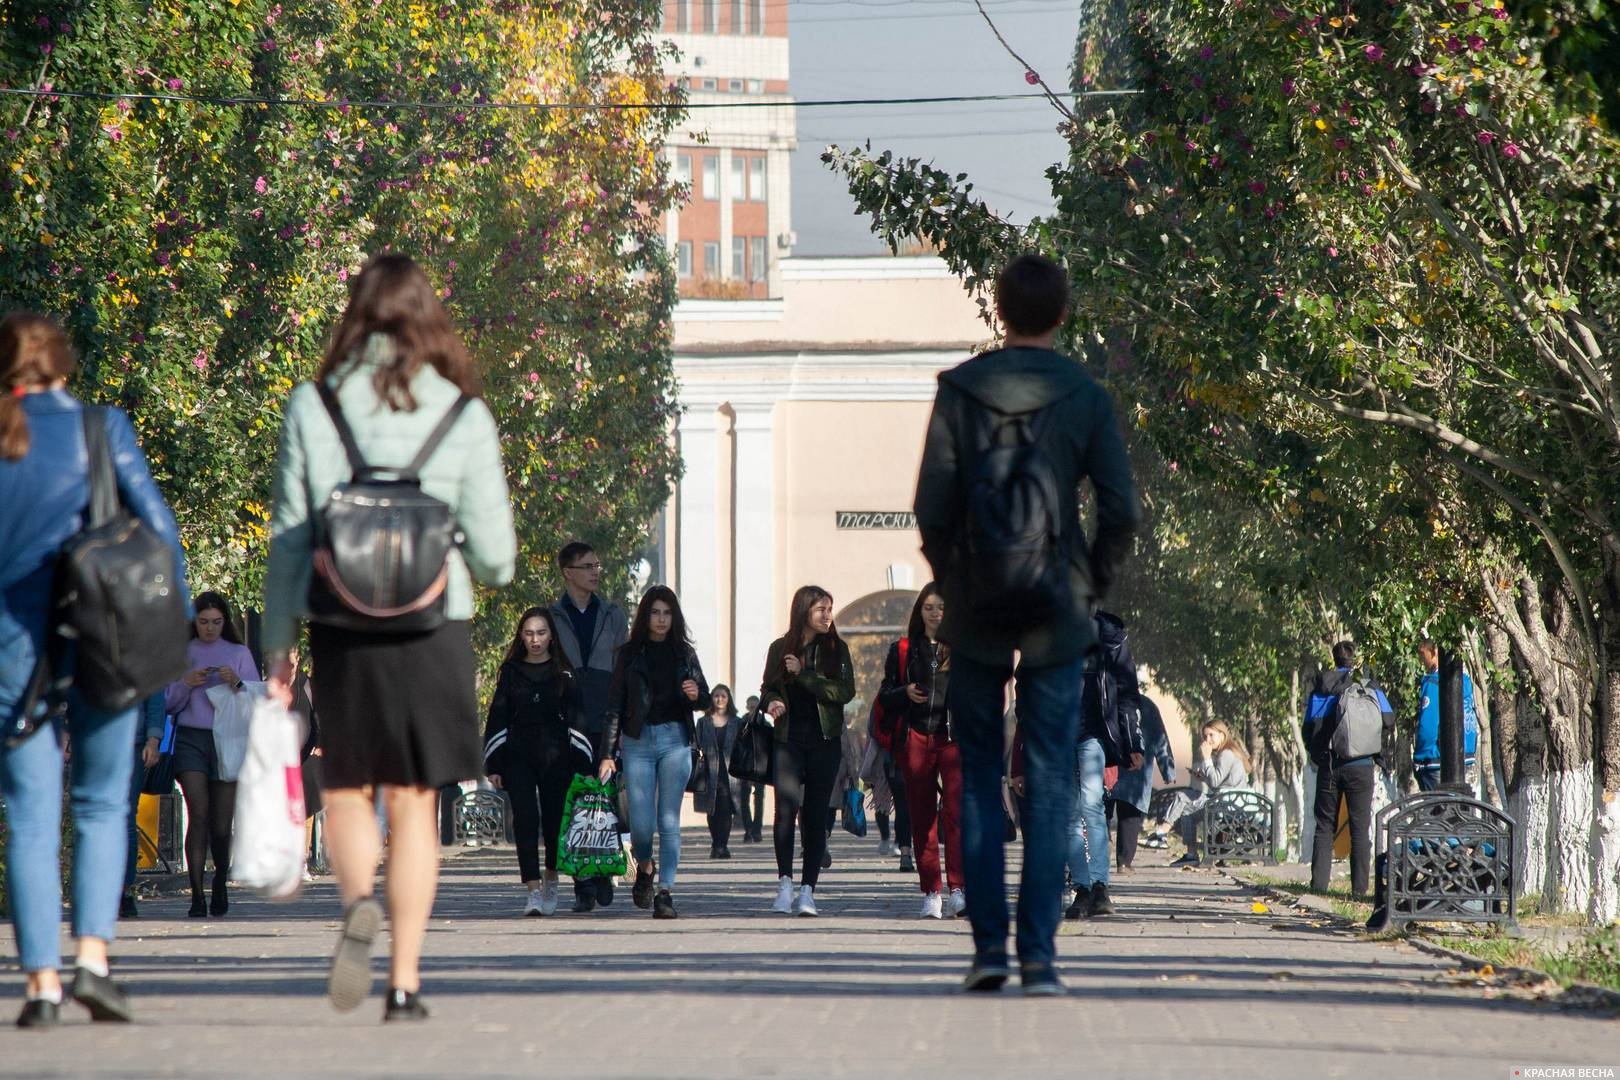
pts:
pixel 932 765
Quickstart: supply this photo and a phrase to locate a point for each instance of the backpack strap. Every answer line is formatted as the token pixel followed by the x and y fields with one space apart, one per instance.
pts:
pixel 351 449
pixel 102 477
pixel 414 469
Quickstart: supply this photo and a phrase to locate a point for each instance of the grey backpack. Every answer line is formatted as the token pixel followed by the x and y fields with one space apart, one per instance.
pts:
pixel 1361 722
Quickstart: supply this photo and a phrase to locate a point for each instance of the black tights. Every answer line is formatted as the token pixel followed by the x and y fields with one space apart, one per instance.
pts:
pixel 1127 830
pixel 804 779
pixel 210 806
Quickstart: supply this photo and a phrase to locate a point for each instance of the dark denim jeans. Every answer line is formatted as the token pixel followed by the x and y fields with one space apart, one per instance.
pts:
pixel 1049 720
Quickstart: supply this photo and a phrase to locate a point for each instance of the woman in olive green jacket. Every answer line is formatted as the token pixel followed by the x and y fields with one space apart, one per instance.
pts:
pixel 808 681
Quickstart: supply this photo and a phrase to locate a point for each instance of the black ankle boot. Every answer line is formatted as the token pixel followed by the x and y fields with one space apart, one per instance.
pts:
pixel 222 900
pixel 404 1005
pixel 199 907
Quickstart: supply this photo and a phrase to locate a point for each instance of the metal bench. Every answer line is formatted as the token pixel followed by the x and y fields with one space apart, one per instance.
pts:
pixel 1447 858
pixel 1238 826
pixel 481 818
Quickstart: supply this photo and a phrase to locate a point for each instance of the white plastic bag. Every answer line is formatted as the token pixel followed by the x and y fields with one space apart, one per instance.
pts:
pixel 233 712
pixel 267 848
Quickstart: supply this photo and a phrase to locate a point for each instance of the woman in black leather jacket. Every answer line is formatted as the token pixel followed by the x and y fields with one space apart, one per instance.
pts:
pixel 657 685
pixel 533 747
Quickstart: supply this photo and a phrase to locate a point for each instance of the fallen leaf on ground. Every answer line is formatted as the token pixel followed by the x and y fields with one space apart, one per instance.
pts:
pixel 1487 971
pixel 1259 909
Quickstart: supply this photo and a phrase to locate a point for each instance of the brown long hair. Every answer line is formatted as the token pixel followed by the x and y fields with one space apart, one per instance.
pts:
pixel 641 628
pixel 806 598
pixel 391 295
pixel 1228 743
pixel 33 352
pixel 917 632
pixel 560 667
pixel 213 601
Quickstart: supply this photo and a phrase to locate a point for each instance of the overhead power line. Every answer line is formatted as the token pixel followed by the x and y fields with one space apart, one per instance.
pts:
pixel 517 106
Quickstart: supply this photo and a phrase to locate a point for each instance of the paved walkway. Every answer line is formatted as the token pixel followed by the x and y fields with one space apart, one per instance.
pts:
pixel 1188 981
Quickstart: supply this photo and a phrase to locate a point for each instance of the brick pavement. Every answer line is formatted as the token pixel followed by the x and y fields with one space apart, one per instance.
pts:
pixel 1186 982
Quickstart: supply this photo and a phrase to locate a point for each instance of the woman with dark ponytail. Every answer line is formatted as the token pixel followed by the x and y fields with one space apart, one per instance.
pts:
pixel 808 680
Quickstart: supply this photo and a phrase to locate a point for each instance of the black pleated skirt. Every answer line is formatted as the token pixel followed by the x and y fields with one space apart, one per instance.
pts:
pixel 396 709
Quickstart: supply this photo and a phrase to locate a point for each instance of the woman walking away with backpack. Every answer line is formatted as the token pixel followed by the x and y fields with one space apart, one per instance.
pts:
pixel 808 680
pixel 916 676
pixel 533 747
pixel 217 657
pixel 716 735
pixel 1224 767
pixel 657 686
pixel 44 492
pixel 396 395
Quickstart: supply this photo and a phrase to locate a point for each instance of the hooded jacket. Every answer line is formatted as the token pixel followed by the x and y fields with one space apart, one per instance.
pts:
pixel 1112 713
pixel 1322 719
pixel 1081 439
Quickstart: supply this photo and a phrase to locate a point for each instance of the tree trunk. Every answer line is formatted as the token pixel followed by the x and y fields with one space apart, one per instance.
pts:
pixel 1605 842
pixel 1554 809
pixel 1491 780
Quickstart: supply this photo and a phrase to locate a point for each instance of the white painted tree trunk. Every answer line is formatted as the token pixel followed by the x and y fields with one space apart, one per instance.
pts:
pixel 1528 804
pixel 1605 907
pixel 1569 842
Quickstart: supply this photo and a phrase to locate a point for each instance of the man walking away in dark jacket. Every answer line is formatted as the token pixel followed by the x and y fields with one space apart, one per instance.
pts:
pixel 1342 779
pixel 1110 734
pixel 1014 433
pixel 590 631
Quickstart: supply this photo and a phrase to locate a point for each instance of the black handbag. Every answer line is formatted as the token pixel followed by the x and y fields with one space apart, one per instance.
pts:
pixel 753 757
pixel 118 596
pixel 698 782
pixel 160 777
pixel 382 551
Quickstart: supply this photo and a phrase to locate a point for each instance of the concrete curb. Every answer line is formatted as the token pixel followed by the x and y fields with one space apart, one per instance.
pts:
pixel 1578 995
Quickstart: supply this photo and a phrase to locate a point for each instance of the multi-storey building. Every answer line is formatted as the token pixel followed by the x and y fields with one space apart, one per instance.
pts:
pixel 729 236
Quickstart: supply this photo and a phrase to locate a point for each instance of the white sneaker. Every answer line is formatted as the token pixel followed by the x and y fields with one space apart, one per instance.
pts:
pixel 548 897
pixel 534 906
pixel 805 903
pixel 958 904
pixel 932 908
pixel 784 896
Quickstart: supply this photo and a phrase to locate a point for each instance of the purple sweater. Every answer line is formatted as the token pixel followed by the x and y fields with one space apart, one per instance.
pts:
pixel 190 706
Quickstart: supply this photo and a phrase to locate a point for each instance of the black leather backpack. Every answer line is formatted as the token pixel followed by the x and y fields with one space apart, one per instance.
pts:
pixel 383 545
pixel 117 593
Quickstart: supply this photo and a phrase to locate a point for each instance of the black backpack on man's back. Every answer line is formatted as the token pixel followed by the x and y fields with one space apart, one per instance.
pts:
pixel 1015 560
pixel 382 546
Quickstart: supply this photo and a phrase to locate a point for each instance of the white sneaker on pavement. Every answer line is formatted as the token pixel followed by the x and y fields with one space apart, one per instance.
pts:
pixel 958 904
pixel 548 897
pixel 932 907
pixel 784 896
pixel 533 907
pixel 805 903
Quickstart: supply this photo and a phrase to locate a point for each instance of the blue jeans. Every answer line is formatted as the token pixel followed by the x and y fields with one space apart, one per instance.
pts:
pixel 1049 719
pixel 1088 824
pixel 31 782
pixel 656 768
pixel 137 780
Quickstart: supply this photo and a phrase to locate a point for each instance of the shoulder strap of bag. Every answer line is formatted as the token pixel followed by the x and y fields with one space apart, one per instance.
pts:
pixel 414 469
pixel 103 479
pixel 351 449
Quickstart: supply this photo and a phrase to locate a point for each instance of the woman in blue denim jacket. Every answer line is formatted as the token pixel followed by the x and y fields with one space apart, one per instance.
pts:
pixel 44 492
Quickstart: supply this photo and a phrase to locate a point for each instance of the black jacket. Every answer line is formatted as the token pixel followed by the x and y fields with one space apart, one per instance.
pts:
pixel 630 698
pixel 1112 713
pixel 1322 719
pixel 527 717
pixel 1082 440
pixel 921 669
pixel 715 744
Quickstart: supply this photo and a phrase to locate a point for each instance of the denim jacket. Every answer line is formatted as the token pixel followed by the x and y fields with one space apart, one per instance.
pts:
pixel 43 498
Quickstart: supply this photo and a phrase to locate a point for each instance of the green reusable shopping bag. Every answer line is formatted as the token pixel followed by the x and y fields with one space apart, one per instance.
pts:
pixel 589 845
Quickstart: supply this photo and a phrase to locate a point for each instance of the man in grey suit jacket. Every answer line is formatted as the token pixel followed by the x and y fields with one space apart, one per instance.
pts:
pixel 590 631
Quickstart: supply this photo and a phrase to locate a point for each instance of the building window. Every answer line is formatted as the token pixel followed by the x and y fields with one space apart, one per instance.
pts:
pixel 711 176
pixel 756 86
pixel 757 9
pixel 682 17
pixel 739 258
pixel 708 84
pixel 711 17
pixel 735 86
pixel 756 259
pixel 683 258
pixel 711 258
pixel 738 178
pixel 756 179
pixel 737 17
pixel 683 169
